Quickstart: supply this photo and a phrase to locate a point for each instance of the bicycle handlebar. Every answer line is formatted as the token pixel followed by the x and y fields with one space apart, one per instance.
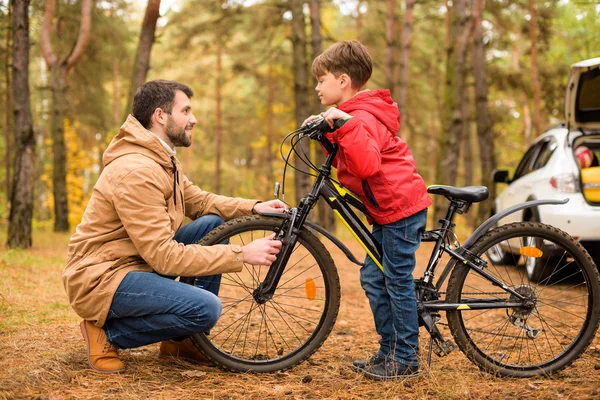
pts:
pixel 317 127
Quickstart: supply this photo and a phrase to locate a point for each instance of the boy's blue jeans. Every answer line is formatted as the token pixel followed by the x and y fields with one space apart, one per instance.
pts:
pixel 391 293
pixel 149 308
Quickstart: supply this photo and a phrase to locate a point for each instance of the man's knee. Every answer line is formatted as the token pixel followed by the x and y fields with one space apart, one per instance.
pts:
pixel 211 221
pixel 208 310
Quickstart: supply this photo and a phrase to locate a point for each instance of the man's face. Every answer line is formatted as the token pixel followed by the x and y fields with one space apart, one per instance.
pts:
pixel 181 121
pixel 329 89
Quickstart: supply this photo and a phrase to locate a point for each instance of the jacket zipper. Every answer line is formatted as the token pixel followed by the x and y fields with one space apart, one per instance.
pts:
pixel 369 193
pixel 175 179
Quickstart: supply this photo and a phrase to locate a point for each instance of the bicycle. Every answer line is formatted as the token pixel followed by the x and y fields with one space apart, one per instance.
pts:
pixel 275 317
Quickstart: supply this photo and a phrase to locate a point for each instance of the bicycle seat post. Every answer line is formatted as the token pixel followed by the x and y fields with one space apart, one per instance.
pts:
pixel 454 207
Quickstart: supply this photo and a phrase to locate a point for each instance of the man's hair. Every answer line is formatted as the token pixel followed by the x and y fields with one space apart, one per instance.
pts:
pixel 347 57
pixel 156 94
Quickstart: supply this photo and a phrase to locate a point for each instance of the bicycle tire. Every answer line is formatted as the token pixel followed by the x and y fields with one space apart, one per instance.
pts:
pixel 275 352
pixel 504 341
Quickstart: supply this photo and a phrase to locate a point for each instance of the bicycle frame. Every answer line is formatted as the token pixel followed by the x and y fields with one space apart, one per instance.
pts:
pixel 340 200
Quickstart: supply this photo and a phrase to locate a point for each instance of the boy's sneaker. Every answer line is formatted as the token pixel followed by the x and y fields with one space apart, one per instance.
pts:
pixel 360 365
pixel 390 370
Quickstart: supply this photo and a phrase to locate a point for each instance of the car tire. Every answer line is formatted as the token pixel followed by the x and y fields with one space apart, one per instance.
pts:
pixel 537 268
pixel 498 256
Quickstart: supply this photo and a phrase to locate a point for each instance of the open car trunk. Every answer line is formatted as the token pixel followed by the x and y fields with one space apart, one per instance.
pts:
pixel 582 113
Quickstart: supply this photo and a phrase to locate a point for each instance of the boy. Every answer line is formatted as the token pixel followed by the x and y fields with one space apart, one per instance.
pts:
pixel 378 166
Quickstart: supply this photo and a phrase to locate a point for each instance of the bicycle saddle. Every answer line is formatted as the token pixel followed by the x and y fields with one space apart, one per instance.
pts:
pixel 472 194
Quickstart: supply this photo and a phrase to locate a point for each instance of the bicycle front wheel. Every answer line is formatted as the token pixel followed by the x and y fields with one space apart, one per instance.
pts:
pixel 558 318
pixel 290 326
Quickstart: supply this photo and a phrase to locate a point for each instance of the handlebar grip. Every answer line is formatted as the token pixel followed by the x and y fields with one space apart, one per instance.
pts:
pixel 324 126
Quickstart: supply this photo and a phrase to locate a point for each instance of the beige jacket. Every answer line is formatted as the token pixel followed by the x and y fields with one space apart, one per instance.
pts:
pixel 130 221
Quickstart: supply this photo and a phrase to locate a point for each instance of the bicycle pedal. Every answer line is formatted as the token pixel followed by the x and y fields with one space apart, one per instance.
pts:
pixel 442 349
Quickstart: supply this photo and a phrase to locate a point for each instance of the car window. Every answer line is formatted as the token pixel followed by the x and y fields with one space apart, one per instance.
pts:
pixel 588 101
pixel 526 164
pixel 546 150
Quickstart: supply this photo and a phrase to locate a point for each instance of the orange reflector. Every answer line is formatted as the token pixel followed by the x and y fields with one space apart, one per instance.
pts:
pixel 311 289
pixel 529 251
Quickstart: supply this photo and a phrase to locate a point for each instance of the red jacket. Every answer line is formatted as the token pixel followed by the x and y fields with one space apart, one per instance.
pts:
pixel 376 164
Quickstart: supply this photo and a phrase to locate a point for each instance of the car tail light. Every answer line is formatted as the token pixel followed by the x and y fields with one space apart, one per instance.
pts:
pixel 565 183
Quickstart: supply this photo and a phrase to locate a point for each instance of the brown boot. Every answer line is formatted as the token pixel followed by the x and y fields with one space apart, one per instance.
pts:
pixel 102 356
pixel 184 350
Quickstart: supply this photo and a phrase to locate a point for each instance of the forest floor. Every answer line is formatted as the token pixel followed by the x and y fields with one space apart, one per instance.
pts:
pixel 42 354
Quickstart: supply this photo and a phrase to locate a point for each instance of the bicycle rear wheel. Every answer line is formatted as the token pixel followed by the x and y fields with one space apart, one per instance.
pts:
pixel 556 323
pixel 288 328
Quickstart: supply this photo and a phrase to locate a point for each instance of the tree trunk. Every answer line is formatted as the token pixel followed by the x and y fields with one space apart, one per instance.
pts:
pixel 218 113
pixel 485 135
pixel 270 174
pixel 144 49
pixel 535 79
pixel 8 127
pixel 58 83
pixel 359 22
pixel 325 215
pixel 21 210
pixel 390 36
pixel 300 67
pixel 454 119
pixel 115 94
pixel 59 71
pixel 407 28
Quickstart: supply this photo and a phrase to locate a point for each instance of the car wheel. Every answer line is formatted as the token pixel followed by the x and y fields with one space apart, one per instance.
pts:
pixel 547 268
pixel 498 256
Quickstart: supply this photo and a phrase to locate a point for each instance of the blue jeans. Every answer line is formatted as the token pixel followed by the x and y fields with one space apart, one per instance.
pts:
pixel 391 293
pixel 149 308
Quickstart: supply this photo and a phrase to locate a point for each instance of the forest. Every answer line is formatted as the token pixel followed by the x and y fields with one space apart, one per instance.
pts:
pixel 475 81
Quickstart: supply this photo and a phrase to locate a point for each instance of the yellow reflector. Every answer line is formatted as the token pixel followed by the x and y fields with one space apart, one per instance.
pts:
pixel 311 289
pixel 529 251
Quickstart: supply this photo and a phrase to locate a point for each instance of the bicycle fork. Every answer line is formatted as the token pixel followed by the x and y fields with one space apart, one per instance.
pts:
pixel 288 235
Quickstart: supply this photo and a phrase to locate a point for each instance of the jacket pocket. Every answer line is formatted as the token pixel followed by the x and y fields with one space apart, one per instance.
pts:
pixel 369 194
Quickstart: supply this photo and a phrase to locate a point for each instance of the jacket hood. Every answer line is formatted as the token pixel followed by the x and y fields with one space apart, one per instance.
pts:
pixel 378 103
pixel 133 138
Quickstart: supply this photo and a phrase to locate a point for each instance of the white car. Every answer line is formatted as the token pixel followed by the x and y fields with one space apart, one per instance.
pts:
pixel 550 169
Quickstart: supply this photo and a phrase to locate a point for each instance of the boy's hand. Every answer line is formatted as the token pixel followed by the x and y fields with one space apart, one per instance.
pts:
pixel 334 114
pixel 311 118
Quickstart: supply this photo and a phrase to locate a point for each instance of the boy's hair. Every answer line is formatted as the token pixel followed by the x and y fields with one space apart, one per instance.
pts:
pixel 156 94
pixel 347 57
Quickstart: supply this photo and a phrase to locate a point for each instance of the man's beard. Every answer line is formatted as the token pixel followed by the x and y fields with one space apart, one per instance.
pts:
pixel 177 135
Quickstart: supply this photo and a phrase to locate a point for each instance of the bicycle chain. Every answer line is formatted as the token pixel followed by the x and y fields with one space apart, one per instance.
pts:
pixel 481 330
pixel 477 293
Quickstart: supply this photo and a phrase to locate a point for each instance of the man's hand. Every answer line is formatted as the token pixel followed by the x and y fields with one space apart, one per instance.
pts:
pixel 269 206
pixel 262 251
pixel 334 114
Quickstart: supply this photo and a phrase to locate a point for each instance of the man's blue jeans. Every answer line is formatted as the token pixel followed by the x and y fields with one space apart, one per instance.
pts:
pixel 149 308
pixel 391 293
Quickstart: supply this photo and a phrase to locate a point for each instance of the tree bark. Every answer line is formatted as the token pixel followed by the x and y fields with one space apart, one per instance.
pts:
pixel 485 135
pixel 325 215
pixel 454 96
pixel 302 111
pixel 21 210
pixel 407 29
pixel 535 79
pixel 59 71
pixel 390 36
pixel 144 49
pixel 271 87
pixel 8 126
pixel 218 111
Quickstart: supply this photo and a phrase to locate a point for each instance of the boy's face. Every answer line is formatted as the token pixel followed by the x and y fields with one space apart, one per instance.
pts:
pixel 329 88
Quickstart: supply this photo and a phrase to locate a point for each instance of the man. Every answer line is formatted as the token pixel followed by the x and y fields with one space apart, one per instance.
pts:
pixel 129 246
